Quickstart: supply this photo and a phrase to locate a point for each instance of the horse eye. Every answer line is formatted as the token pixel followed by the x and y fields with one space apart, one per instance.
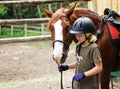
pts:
pixel 67 20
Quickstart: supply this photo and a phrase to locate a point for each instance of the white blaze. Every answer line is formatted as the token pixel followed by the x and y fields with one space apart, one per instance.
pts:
pixel 58 46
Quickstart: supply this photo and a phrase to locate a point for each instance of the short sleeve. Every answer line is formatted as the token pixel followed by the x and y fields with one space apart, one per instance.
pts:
pixel 96 55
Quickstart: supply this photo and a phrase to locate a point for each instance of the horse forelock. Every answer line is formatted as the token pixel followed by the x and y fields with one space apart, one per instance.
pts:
pixel 56 16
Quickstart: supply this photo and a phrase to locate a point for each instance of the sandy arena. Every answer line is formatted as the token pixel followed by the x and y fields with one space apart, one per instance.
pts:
pixel 30 65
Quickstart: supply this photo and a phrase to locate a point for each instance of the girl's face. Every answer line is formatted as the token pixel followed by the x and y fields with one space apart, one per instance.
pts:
pixel 80 37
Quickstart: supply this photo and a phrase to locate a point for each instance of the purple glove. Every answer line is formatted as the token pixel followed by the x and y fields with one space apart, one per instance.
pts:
pixel 78 77
pixel 63 68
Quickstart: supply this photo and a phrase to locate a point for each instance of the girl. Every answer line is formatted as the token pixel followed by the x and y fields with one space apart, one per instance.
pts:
pixel 88 63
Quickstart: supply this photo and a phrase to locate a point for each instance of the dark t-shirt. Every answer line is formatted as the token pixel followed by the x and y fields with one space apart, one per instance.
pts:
pixel 86 61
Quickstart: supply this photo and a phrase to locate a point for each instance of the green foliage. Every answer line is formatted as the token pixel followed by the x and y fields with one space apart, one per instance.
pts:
pixel 6 32
pixel 29 11
pixel 26 11
pixel 3 10
pixel 19 32
pixel 83 4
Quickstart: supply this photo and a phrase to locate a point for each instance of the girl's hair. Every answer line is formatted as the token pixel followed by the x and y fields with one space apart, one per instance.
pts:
pixel 91 37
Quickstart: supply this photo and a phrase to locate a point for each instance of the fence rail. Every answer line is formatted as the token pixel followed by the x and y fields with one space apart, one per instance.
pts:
pixel 24 39
pixel 23 21
pixel 38 29
pixel 27 21
pixel 31 2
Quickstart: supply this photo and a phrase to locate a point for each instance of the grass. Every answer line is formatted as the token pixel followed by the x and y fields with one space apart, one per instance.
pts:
pixel 18 32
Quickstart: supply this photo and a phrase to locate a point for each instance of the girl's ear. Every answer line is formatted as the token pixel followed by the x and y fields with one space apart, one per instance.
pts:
pixel 47 12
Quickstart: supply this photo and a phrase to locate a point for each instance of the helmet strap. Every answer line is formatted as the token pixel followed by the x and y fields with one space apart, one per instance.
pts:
pixel 87 38
pixel 78 48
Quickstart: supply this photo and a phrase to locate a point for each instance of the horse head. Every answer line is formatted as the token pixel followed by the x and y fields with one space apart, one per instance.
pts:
pixel 60 26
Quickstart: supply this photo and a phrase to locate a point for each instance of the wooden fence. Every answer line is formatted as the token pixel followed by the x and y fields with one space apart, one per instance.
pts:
pixel 24 39
pixel 23 21
pixel 38 29
pixel 27 21
pixel 95 5
pixel 100 5
pixel 31 2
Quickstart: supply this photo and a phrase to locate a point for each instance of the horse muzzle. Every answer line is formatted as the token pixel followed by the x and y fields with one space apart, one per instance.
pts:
pixel 62 59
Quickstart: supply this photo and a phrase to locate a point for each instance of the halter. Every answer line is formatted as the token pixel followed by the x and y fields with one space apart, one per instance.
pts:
pixel 65 53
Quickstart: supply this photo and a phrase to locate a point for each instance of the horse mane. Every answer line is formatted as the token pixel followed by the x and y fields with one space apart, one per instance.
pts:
pixel 79 12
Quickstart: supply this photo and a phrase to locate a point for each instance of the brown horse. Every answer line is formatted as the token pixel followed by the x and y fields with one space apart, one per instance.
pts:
pixel 60 24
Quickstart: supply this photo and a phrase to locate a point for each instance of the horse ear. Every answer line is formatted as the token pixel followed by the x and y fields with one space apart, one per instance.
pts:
pixel 47 12
pixel 70 11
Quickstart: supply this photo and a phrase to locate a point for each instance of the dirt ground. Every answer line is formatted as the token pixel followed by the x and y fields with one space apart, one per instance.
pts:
pixel 30 65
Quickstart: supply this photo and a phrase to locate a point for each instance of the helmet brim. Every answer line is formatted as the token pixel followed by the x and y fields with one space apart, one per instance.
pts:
pixel 76 32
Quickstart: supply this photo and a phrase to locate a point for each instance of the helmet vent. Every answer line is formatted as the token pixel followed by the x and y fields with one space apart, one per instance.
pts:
pixel 75 25
pixel 80 25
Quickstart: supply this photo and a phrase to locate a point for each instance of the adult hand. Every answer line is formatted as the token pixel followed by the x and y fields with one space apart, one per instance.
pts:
pixel 79 76
pixel 63 68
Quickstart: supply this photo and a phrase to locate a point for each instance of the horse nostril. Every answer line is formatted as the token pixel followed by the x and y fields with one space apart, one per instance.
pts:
pixel 68 26
pixel 57 59
pixel 53 57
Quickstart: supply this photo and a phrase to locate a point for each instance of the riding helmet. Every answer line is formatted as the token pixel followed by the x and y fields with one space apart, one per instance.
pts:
pixel 83 25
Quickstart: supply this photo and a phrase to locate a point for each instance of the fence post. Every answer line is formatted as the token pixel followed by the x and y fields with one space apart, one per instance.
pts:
pixel 0 30
pixel 49 7
pixel 25 30
pixel 42 29
pixel 12 29
pixel 39 11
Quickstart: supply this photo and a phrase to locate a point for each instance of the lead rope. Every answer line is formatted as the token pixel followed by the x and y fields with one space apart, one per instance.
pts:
pixel 61 80
pixel 72 83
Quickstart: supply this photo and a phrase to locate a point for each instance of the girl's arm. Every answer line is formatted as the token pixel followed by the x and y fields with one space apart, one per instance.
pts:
pixel 95 70
pixel 72 66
